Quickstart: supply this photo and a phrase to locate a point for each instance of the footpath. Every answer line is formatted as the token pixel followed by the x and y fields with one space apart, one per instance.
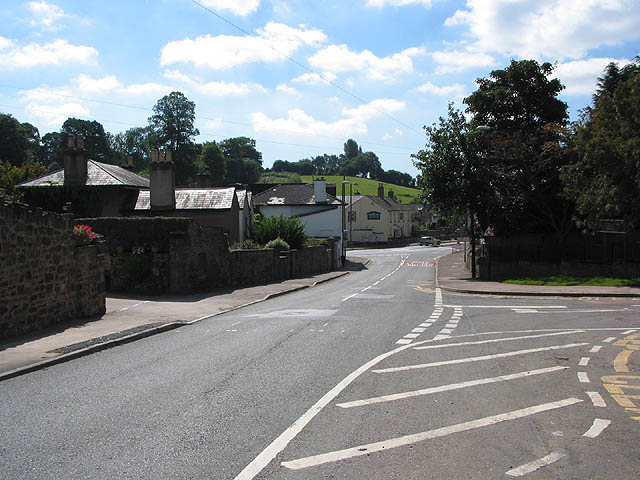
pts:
pixel 131 318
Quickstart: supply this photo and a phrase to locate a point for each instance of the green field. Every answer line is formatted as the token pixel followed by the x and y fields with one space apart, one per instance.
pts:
pixel 367 186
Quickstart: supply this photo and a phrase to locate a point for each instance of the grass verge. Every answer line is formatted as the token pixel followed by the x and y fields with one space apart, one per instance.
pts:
pixel 570 280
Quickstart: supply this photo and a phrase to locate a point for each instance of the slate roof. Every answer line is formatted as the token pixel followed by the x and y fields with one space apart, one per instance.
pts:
pixel 98 174
pixel 292 194
pixel 194 199
pixel 241 195
pixel 386 203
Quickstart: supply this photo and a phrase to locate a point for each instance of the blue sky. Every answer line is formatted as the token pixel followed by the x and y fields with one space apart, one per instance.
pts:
pixel 300 77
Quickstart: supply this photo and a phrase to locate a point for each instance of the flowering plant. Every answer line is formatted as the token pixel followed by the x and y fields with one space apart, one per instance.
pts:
pixel 85 233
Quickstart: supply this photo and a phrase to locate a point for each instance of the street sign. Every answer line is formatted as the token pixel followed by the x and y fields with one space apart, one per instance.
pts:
pixel 489 232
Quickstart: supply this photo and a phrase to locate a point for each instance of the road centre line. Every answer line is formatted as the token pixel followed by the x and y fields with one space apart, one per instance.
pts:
pixel 597 428
pixel 535 465
pixel 477 359
pixel 583 377
pixel 376 282
pixel 495 340
pixel 370 448
pixel 446 388
pixel 596 399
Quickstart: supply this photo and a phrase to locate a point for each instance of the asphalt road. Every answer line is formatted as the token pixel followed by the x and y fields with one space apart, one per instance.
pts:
pixel 377 375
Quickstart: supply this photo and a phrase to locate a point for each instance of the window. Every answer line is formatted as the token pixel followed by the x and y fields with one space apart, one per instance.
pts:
pixel 352 216
pixel 401 216
pixel 373 216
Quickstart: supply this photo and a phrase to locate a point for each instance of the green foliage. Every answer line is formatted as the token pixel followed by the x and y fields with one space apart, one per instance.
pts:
pixel 279 177
pixel 96 140
pixel 367 186
pixel 315 242
pixel 278 244
pixel 15 141
pixel 135 143
pixel 291 230
pixel 247 244
pixel 570 280
pixel 11 176
pixel 604 180
pixel 212 158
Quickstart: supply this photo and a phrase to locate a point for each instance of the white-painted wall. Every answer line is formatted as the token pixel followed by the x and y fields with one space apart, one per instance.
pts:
pixel 323 224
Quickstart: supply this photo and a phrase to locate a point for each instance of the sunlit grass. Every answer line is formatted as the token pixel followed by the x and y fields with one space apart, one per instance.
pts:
pixel 570 280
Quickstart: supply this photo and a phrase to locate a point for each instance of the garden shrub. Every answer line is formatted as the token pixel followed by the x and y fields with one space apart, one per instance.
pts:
pixel 278 244
pixel 291 230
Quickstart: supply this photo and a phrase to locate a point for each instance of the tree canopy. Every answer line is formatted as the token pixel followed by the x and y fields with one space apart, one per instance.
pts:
pixel 604 180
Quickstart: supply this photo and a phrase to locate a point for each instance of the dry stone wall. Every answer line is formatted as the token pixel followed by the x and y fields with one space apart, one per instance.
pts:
pixel 46 277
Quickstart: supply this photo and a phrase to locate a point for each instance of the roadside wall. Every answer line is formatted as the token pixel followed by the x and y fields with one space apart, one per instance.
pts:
pixel 46 277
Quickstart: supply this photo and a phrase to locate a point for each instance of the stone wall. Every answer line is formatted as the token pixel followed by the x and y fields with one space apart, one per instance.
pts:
pixel 178 255
pixel 46 277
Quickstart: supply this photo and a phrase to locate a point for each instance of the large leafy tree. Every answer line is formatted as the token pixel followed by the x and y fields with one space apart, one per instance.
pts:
pixel 15 141
pixel 96 140
pixel 244 161
pixel 212 158
pixel 173 128
pixel 505 161
pixel 135 143
pixel 604 180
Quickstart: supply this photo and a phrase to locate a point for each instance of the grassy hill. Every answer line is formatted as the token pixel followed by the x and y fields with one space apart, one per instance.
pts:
pixel 368 187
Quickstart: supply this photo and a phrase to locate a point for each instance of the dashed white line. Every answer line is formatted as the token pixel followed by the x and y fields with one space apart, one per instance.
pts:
pixel 584 361
pixel 609 340
pixel 446 388
pixel 583 377
pixel 628 332
pixel 477 359
pixel 412 335
pixel 493 340
pixel 404 341
pixel 418 330
pixel 597 428
pixel 535 465
pixel 370 448
pixel 446 330
pixel 595 349
pixel 596 399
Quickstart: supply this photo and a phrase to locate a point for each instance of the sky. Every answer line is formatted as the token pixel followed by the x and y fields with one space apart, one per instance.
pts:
pixel 298 76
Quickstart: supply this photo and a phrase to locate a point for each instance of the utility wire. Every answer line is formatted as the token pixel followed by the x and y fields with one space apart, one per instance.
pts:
pixel 304 67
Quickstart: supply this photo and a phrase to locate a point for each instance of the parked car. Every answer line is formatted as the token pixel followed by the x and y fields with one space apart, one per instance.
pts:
pixel 430 241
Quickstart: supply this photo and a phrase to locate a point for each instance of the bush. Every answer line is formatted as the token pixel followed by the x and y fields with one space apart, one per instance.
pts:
pixel 315 242
pixel 278 244
pixel 291 230
pixel 247 244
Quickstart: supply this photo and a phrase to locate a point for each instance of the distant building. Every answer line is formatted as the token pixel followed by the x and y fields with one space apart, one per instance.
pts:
pixel 85 187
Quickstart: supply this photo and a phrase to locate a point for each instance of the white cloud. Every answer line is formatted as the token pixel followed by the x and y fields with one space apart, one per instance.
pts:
pixel 271 44
pixel 96 85
pixel 284 88
pixel 552 29
pixel 148 89
pixel 214 89
pixel 450 61
pixel 46 15
pixel 455 89
pixel 55 53
pixel 237 7
pixel 339 58
pixel 581 76
pixel 397 3
pixel 52 106
pixel 6 43
pixel 354 120
pixel 315 78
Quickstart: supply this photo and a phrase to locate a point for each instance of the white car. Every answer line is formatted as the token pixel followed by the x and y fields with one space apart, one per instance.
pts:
pixel 431 241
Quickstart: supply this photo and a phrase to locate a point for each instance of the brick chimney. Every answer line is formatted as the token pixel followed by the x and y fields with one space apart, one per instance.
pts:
pixel 162 181
pixel 320 190
pixel 391 195
pixel 75 161
pixel 381 190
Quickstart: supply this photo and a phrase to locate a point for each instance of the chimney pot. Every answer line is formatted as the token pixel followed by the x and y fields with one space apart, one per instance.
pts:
pixel 75 161
pixel 162 182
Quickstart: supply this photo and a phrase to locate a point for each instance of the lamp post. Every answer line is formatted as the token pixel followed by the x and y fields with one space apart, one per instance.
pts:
pixel 351 213
pixel 344 226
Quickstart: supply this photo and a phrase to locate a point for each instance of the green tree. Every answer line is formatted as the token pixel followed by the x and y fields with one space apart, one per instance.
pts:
pixel 604 179
pixel 351 149
pixel 136 143
pixel 51 151
pixel 213 159
pixel 172 124
pixel 244 161
pixel 96 140
pixel 14 141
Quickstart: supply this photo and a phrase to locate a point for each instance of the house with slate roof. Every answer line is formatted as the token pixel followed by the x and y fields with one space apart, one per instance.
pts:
pixel 320 212
pixel 376 219
pixel 211 207
pixel 245 220
pixel 85 187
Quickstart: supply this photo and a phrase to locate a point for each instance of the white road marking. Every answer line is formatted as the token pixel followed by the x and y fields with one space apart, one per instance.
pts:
pixel 628 332
pixel 418 330
pixel 446 330
pixel 609 340
pixel 583 377
pixel 441 337
pixel 595 349
pixel 596 399
pixel 496 340
pixel 511 307
pixel 294 313
pixel 412 335
pixel 584 361
pixel 446 388
pixel 404 341
pixel 425 325
pixel 349 297
pixel 477 359
pixel 525 310
pixel 597 428
pixel 535 465
pixel 370 448
pixel 451 325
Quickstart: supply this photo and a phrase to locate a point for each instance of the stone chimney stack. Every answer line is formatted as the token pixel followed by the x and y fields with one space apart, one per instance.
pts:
pixel 320 190
pixel 75 161
pixel 203 179
pixel 381 190
pixel 391 195
pixel 162 181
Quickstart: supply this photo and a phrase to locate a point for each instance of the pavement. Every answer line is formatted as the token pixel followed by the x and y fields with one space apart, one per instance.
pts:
pixel 131 318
